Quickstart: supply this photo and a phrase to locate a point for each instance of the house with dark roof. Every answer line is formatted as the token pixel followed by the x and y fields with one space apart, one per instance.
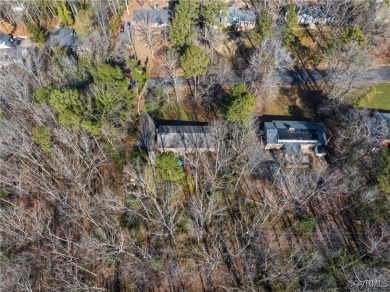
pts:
pixel 156 18
pixel 62 38
pixel 183 136
pixel 242 19
pixel 382 125
pixel 296 138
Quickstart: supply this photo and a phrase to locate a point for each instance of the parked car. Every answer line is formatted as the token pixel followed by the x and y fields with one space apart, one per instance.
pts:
pixel 122 29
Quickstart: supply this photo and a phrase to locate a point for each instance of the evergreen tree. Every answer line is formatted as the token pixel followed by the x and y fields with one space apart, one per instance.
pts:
pixel 194 62
pixel 41 136
pixel 84 23
pixel 290 26
pixel 264 25
pixel 211 10
pixel 240 104
pixel 263 29
pixel 68 106
pixel 186 15
pixel 105 73
pixel 64 13
pixel 38 33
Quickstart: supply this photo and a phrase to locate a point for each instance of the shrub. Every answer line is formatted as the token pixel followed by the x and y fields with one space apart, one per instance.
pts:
pixel 38 33
pixel 84 23
pixel 41 136
pixel 239 104
pixel 307 223
pixel 168 165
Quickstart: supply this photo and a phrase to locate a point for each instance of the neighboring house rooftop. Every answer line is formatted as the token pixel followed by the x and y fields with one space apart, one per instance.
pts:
pixel 312 14
pixel 383 116
pixel 184 136
pixel 236 15
pixel 6 41
pixel 63 37
pixel 155 17
pixel 10 53
pixel 291 136
pixel 279 132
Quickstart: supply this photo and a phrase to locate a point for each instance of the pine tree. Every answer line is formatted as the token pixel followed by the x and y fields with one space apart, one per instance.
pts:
pixel 240 104
pixel 186 16
pixel 194 62
pixel 64 13
pixel 290 26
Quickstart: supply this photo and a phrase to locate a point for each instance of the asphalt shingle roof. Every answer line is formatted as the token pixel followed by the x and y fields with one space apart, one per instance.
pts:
pixel 185 137
pixel 236 15
pixel 279 132
pixel 63 37
pixel 159 16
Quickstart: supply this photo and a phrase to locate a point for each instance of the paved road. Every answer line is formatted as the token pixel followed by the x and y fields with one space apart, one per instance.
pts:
pixel 374 75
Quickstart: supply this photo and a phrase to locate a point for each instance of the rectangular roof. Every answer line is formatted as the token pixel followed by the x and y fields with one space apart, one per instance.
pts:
pixel 236 15
pixel 184 137
pixel 153 16
pixel 279 132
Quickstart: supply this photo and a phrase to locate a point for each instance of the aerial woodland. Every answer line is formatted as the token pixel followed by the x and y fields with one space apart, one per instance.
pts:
pixel 87 203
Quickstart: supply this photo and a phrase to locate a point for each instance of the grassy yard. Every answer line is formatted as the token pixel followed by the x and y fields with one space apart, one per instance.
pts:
pixel 381 99
pixel 285 101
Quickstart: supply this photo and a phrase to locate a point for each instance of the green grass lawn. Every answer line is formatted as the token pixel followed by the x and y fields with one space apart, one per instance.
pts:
pixel 381 99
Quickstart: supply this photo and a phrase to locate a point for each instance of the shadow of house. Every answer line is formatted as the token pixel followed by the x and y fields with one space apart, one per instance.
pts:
pixel 156 18
pixel 183 136
pixel 296 140
pixel 63 38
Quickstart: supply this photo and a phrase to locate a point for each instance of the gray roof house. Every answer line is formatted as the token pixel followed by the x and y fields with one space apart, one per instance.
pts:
pixel 62 37
pixel 312 15
pixel 181 136
pixel 6 41
pixel 382 116
pixel 295 137
pixel 152 17
pixel 9 52
pixel 243 19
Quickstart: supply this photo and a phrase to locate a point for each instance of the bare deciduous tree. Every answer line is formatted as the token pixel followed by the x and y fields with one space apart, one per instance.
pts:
pixel 169 65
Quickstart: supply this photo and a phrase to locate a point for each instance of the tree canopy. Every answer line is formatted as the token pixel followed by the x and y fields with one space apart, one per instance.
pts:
pixel 290 25
pixel 211 10
pixel 240 104
pixel 64 13
pixel 182 30
pixel 194 62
